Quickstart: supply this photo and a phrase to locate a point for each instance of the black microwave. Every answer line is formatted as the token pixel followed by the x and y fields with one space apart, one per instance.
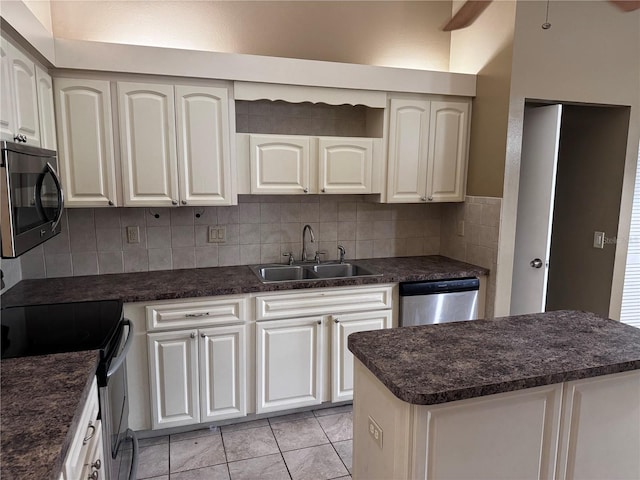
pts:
pixel 31 197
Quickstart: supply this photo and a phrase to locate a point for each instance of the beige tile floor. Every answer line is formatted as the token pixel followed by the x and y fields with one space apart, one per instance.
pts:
pixel 304 446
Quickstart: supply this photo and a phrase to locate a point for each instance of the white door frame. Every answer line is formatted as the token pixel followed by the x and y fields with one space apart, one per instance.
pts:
pixel 506 243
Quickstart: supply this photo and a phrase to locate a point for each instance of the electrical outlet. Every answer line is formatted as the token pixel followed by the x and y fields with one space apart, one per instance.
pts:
pixel 598 239
pixel 133 234
pixel 460 228
pixel 217 234
pixel 375 431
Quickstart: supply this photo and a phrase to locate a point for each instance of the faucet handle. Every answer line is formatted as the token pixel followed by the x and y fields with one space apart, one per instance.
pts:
pixel 343 252
pixel 318 253
pixel 290 255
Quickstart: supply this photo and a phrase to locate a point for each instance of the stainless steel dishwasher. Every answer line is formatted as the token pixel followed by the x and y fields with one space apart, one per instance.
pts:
pixel 424 303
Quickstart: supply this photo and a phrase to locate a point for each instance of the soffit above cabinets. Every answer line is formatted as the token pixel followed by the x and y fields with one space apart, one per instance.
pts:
pixel 112 57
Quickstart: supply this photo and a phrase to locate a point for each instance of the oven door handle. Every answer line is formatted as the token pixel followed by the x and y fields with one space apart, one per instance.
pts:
pixel 119 360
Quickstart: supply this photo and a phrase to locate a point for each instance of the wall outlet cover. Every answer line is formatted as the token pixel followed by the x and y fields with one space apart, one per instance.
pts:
pixel 375 432
pixel 598 239
pixel 133 234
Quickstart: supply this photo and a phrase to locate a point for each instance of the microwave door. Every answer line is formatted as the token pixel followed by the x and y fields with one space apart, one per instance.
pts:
pixel 33 201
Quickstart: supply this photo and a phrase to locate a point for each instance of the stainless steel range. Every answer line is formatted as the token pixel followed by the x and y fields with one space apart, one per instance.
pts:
pixel 67 327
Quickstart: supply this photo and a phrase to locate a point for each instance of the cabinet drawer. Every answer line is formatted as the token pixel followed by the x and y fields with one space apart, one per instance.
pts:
pixel 322 302
pixel 196 314
pixel 87 430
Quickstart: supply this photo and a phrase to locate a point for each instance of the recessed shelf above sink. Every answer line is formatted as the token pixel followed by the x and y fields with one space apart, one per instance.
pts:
pixel 309 271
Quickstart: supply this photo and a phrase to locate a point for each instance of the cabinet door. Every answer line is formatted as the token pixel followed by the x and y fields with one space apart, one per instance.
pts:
pixel 289 366
pixel 341 357
pixel 7 102
pixel 203 145
pixel 511 435
pixel 173 374
pixel 85 134
pixel 25 96
pixel 223 372
pixel 448 142
pixel 279 164
pixel 408 151
pixel 345 165
pixel 46 112
pixel 600 433
pixel 148 144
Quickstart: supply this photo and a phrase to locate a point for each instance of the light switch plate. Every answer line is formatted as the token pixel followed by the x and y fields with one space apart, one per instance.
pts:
pixel 217 234
pixel 598 239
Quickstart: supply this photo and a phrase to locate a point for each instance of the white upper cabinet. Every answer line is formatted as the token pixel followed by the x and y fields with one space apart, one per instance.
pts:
pixel 148 144
pixel 279 164
pixel 20 113
pixel 299 164
pixel 428 148
pixel 203 145
pixel 345 165
pixel 408 149
pixel 7 102
pixel 85 133
pixel 447 161
pixel 46 111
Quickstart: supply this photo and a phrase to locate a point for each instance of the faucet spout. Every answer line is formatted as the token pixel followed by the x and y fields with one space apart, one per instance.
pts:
pixel 305 229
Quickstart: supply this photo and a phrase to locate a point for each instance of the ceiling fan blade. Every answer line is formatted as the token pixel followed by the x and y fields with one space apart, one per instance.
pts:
pixel 467 14
pixel 626 5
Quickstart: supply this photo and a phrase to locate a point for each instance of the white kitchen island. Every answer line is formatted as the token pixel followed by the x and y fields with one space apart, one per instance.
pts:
pixel 554 395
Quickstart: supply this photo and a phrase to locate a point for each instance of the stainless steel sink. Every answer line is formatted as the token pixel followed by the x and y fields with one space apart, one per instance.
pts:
pixel 339 270
pixel 321 271
pixel 283 273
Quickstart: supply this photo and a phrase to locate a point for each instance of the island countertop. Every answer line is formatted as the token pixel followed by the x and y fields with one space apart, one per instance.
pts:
pixel 434 364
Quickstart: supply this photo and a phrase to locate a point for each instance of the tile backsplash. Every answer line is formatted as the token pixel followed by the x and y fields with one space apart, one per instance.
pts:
pixel 470 233
pixel 258 230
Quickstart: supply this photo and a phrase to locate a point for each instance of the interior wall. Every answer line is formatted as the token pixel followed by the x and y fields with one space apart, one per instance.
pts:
pixel 591 54
pixel 42 11
pixel 387 33
pixel 588 189
pixel 486 50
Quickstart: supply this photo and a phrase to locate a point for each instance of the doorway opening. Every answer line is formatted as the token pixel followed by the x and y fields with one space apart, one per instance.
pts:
pixel 572 170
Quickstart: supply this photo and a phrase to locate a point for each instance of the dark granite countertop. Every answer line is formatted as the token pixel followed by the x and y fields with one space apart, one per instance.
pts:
pixel 433 364
pixel 42 397
pixel 202 282
pixel 42 401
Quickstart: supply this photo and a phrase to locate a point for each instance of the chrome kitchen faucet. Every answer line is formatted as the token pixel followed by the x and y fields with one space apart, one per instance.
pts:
pixel 304 234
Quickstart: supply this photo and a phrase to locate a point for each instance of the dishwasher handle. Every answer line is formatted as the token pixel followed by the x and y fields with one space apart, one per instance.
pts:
pixel 408 289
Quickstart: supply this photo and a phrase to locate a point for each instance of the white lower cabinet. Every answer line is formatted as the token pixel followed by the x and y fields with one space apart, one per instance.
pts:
pixel 86 453
pixel 583 429
pixel 197 375
pixel 600 429
pixel 289 363
pixel 173 360
pixel 341 357
pixel 223 372
pixel 301 339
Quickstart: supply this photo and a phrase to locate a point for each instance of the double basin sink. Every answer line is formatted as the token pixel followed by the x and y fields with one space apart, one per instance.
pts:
pixel 316 271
